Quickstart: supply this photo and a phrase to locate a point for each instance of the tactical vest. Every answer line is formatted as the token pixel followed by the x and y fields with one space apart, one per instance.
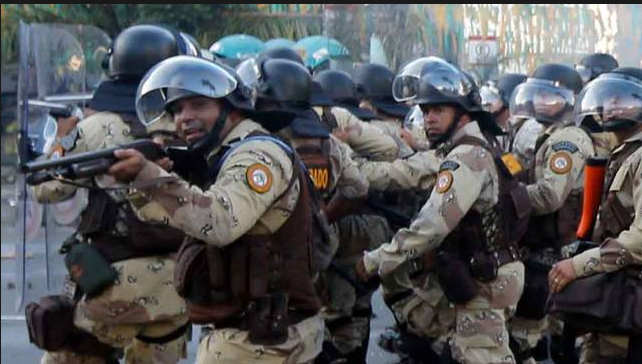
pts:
pixel 116 232
pixel 315 154
pixel 558 228
pixel 220 284
pixel 483 242
pixel 502 225
pixel 614 217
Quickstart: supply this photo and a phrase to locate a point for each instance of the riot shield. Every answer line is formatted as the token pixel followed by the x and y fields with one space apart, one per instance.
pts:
pixel 59 65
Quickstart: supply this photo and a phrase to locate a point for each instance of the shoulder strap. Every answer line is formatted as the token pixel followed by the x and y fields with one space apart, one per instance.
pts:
pixel 297 164
pixel 328 118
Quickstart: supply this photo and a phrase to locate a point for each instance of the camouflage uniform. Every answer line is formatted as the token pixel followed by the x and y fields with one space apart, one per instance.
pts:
pixel 366 140
pixel 143 300
pixel 479 333
pixel 523 135
pixel 558 176
pixel 613 254
pixel 393 128
pixel 357 232
pixel 238 203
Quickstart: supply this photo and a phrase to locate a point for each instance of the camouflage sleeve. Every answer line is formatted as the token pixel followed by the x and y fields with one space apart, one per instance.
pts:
pixel 252 178
pixel 562 169
pixel 462 178
pixel 626 249
pixel 416 172
pixel 364 138
pixel 98 131
pixel 350 183
pixel 524 141
pixel 56 191
pixel 394 131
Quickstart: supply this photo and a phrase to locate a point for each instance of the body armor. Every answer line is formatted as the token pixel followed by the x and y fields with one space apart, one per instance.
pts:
pixel 614 217
pixel 266 275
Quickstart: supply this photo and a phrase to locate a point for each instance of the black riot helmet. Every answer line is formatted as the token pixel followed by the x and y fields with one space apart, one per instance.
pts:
pixel 548 95
pixel 340 88
pixel 445 84
pixel 562 74
pixel 281 53
pixel 138 48
pixel 287 86
pixel 594 65
pixel 278 85
pixel 374 84
pixel 183 77
pixel 495 95
pixel 612 101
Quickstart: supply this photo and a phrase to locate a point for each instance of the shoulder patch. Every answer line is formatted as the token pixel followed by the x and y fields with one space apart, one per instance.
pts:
pixel 564 145
pixel 561 162
pixel 444 181
pixel 448 165
pixel 259 177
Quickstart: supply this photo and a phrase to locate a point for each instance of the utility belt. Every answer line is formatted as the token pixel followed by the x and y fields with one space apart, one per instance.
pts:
pixel 459 277
pixel 89 261
pixel 50 323
pixel 266 319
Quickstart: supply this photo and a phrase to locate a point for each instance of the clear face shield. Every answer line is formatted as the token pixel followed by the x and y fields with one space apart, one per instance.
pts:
pixel 544 100
pixel 608 100
pixel 185 73
pixel 491 99
pixel 406 84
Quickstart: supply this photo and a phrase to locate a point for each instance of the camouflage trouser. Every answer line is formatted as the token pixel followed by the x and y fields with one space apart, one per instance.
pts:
pixel 427 312
pixel 142 301
pixel 481 332
pixel 357 233
pixel 230 345
pixel 601 349
pixel 528 332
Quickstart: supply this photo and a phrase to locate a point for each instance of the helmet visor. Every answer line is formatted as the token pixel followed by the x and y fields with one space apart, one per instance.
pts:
pixel 195 76
pixel 406 84
pixel 543 100
pixel 491 99
pixel 608 98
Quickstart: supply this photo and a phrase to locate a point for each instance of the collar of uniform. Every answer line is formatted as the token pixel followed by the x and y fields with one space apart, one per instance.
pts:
pixel 240 131
pixel 470 129
pixel 635 137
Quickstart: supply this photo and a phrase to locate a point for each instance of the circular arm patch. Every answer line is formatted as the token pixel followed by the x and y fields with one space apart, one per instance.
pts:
pixel 259 177
pixel 561 163
pixel 444 181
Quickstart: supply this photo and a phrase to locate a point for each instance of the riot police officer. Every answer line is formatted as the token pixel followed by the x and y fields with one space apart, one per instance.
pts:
pixel 129 305
pixel 611 102
pixel 594 65
pixel 247 267
pixel 469 189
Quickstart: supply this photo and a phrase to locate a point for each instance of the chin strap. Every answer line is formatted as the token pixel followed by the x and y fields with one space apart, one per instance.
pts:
pixel 204 145
pixel 451 129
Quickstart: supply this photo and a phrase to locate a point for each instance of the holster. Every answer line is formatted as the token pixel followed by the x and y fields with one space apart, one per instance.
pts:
pixel 50 322
pixel 267 320
pixel 455 277
pixel 608 302
pixel 51 327
pixel 89 269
